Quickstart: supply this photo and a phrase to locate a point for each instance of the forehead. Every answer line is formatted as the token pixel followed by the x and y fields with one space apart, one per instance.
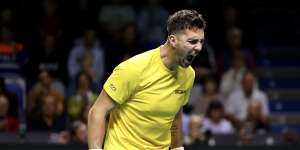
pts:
pixel 193 33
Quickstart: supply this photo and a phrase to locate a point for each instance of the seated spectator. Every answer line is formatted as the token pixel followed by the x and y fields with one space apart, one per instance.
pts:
pixel 45 84
pixel 8 123
pixel 210 93
pixel 215 122
pixel 49 117
pixel 194 133
pixel 79 132
pixel 235 48
pixel 239 100
pixel 231 79
pixel 84 96
pixel 290 137
pixel 12 98
pixel 86 56
pixel 129 44
pixel 49 56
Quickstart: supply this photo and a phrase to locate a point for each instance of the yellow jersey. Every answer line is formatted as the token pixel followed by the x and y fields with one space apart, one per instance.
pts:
pixel 149 96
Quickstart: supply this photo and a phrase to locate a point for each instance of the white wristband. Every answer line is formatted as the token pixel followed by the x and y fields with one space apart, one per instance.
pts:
pixel 96 149
pixel 178 148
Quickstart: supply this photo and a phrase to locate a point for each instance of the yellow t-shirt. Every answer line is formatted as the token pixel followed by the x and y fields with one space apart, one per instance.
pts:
pixel 149 96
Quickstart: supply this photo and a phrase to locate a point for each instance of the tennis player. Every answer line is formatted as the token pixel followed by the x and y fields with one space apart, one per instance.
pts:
pixel 144 95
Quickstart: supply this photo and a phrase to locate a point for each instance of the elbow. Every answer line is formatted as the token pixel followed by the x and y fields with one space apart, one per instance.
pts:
pixel 95 116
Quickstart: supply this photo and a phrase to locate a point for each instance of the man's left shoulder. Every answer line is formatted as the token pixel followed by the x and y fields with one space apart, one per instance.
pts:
pixel 261 94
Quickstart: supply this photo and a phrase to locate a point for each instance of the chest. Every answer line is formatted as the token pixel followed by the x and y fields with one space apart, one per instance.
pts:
pixel 162 96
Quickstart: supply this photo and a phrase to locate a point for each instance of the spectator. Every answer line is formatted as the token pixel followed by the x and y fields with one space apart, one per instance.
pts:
pixel 194 133
pixel 86 56
pixel 239 100
pixel 214 121
pixel 290 137
pixel 12 98
pixel 7 122
pixel 49 57
pixel 235 48
pixel 210 93
pixel 49 117
pixel 45 84
pixel 130 44
pixel 83 97
pixel 79 132
pixel 231 79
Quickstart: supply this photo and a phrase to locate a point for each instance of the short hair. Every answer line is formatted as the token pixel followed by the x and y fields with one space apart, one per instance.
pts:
pixel 185 19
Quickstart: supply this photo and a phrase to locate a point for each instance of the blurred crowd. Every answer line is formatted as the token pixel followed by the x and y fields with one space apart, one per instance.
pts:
pixel 65 50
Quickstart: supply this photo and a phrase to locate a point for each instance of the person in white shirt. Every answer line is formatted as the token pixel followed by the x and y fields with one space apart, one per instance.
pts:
pixel 214 122
pixel 231 80
pixel 238 101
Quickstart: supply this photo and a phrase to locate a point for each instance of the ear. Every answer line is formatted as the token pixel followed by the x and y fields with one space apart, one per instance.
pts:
pixel 172 40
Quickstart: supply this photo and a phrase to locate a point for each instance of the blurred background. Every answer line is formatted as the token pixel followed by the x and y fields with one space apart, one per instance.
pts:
pixel 55 56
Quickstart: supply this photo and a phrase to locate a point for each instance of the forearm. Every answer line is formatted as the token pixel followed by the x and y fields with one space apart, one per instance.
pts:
pixel 176 132
pixel 96 129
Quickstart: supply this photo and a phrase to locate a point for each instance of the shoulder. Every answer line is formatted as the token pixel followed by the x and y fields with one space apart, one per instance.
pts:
pixel 226 123
pixel 260 94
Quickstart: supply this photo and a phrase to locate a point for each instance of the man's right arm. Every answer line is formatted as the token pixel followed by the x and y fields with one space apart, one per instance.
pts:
pixel 96 120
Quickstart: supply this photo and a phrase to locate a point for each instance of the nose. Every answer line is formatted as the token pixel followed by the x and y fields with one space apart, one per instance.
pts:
pixel 198 47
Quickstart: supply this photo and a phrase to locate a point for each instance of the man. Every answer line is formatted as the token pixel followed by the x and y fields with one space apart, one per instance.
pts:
pixel 239 100
pixel 144 95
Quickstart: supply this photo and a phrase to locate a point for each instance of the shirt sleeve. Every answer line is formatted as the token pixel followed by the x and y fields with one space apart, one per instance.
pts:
pixel 121 83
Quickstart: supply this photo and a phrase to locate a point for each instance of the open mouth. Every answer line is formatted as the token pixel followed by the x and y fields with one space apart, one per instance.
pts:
pixel 190 58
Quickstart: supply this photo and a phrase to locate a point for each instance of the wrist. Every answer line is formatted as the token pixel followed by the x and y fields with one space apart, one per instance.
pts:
pixel 178 148
pixel 96 149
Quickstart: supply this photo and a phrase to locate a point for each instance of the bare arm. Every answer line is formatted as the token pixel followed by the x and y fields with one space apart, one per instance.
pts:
pixel 96 120
pixel 176 131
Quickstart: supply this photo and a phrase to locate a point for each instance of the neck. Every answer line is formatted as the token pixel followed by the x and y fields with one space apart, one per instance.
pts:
pixel 168 57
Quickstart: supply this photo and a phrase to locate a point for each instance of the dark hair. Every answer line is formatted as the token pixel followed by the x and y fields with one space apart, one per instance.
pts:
pixel 82 73
pixel 214 105
pixel 185 19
